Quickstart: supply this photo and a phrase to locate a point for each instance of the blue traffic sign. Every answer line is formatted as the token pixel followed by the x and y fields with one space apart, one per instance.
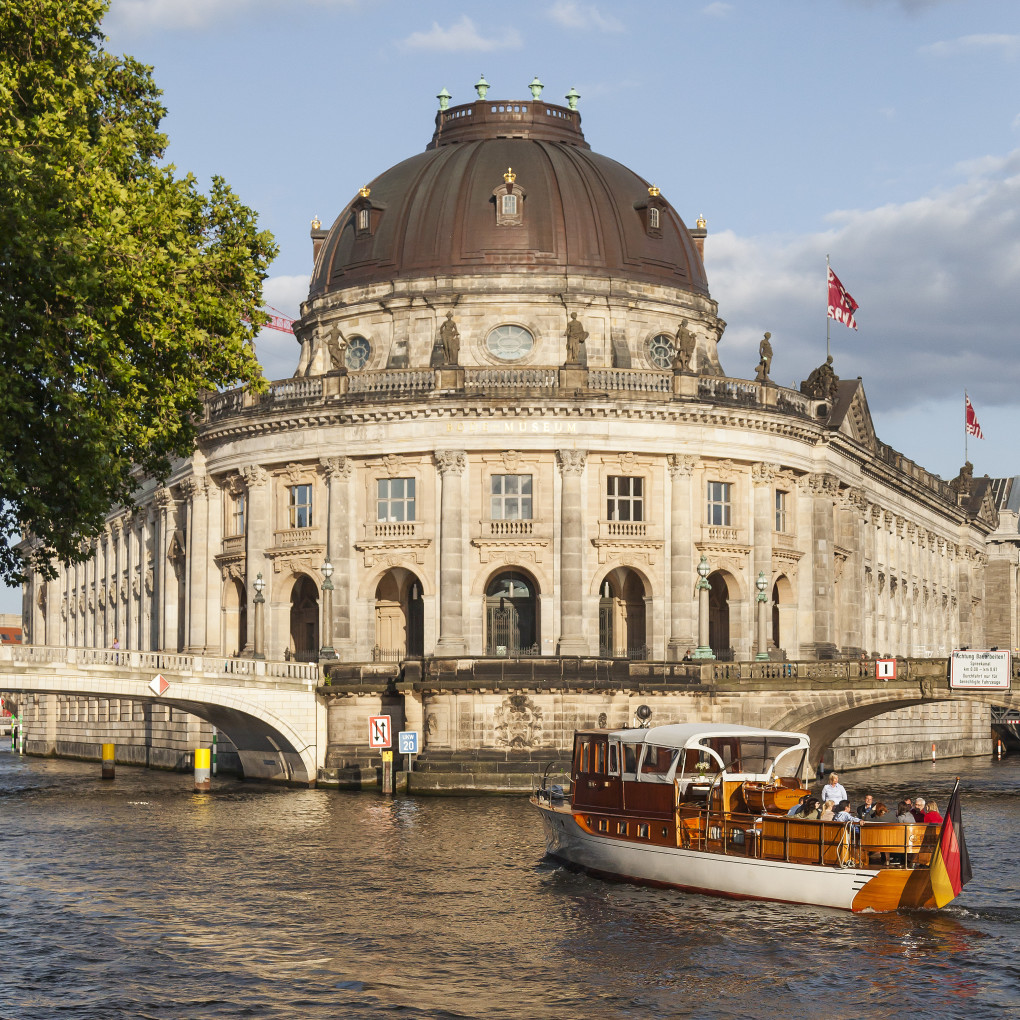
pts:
pixel 408 741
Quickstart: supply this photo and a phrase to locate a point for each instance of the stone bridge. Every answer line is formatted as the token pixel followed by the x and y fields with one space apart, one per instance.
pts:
pixel 269 710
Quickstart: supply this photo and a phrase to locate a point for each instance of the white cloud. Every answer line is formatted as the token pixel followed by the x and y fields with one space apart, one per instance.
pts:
pixel 141 16
pixel 718 10
pixel 571 14
pixel 461 37
pixel 278 352
pixel 1006 45
pixel 936 280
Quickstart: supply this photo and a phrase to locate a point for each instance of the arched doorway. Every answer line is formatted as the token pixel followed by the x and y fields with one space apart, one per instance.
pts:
pixel 399 616
pixel 511 615
pixel 622 626
pixel 304 620
pixel 235 617
pixel 719 617
pixel 784 615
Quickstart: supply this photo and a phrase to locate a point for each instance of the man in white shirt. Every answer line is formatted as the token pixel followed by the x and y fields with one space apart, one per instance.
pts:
pixel 833 790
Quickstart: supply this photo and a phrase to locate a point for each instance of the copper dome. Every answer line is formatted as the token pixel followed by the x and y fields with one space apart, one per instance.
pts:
pixel 437 213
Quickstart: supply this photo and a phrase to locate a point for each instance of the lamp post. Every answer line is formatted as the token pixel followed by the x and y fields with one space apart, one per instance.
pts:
pixel 704 649
pixel 327 651
pixel 761 584
pixel 260 601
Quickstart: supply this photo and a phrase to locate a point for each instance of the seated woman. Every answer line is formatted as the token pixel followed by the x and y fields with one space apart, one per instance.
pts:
pixel 931 813
pixel 828 810
pixel 810 809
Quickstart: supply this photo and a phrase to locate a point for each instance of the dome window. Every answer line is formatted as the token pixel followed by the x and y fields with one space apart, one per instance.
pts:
pixel 509 342
pixel 366 215
pixel 653 218
pixel 508 198
pixel 650 210
pixel 661 350
pixel 359 350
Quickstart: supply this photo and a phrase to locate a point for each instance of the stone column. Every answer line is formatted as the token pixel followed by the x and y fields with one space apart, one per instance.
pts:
pixel 257 540
pixel 763 477
pixel 164 582
pixel 452 464
pixel 824 493
pixel 338 472
pixel 571 640
pixel 196 564
pixel 681 558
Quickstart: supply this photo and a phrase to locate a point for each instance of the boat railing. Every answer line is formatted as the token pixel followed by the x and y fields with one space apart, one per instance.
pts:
pixel 805 840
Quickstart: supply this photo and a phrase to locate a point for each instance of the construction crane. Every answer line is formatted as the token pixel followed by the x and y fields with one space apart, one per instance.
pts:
pixel 277 320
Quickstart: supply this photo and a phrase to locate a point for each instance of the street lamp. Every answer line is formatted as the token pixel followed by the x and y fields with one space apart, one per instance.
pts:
pixel 259 604
pixel 761 584
pixel 704 649
pixel 327 650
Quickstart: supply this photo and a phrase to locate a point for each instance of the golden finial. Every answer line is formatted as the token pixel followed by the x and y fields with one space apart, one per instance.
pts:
pixel 364 191
pixel 315 223
pixel 701 223
pixel 509 176
pixel 653 191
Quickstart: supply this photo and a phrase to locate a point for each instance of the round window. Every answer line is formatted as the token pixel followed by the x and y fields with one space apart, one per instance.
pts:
pixel 359 350
pixel 661 350
pixel 509 343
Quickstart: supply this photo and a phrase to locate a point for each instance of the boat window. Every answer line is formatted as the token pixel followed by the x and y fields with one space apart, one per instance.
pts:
pixel 630 757
pixel 614 758
pixel 600 758
pixel 642 830
pixel 790 762
pixel 585 756
pixel 658 760
pixel 753 755
pixel 621 828
pixel 728 749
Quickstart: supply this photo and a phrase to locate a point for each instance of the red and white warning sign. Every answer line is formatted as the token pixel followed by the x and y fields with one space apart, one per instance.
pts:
pixel 885 669
pixel 378 731
pixel 158 685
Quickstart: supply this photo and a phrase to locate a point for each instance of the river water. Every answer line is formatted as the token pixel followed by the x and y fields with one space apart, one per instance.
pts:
pixel 141 899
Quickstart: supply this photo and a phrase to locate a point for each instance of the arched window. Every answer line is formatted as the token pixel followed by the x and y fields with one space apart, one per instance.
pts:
pixel 509 205
pixel 653 218
pixel 359 350
pixel 363 220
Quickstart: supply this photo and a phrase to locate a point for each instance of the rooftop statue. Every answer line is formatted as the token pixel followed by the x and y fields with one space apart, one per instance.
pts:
pixel 576 336
pixel 765 354
pixel 684 345
pixel 822 383
pixel 449 338
pixel 336 348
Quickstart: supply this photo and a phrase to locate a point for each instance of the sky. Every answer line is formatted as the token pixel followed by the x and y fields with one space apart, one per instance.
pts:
pixel 883 133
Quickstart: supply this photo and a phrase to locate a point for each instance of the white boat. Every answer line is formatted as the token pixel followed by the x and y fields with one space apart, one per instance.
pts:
pixel 703 808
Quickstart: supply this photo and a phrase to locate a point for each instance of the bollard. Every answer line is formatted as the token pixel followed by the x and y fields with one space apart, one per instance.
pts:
pixel 387 772
pixel 21 733
pixel 109 761
pixel 999 755
pixel 203 784
pixel 215 736
pixel 933 754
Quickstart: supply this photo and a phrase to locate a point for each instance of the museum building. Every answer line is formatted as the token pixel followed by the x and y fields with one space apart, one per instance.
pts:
pixel 509 433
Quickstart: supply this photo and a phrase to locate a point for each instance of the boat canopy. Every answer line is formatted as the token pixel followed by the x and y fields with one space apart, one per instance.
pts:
pixel 689 735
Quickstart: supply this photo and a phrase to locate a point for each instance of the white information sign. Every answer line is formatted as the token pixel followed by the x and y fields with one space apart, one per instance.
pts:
pixel 975 670
pixel 158 685
pixel 885 669
pixel 378 731
pixel 407 741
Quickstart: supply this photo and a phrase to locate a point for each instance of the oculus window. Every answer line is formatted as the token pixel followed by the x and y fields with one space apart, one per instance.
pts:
pixel 359 350
pixel 509 342
pixel 660 350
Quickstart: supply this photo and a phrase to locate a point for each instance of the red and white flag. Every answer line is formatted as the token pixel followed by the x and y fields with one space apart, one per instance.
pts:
pixel 973 428
pixel 841 305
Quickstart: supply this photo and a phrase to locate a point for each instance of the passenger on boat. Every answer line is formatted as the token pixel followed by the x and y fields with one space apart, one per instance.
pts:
pixel 798 809
pixel 905 813
pixel 833 790
pixel 919 809
pixel 810 809
pixel 828 810
pixel 843 813
pixel 864 812
pixel 878 813
pixel 931 814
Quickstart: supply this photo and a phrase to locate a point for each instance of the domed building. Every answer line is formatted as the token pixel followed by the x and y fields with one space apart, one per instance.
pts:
pixel 509 434
pixel 510 445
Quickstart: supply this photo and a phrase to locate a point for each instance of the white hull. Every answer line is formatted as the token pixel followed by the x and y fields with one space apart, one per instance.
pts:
pixel 699 871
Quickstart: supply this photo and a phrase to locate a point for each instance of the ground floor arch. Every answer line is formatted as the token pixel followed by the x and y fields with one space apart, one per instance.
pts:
pixel 304 620
pixel 719 616
pixel 784 615
pixel 511 614
pixel 399 616
pixel 623 618
pixel 235 617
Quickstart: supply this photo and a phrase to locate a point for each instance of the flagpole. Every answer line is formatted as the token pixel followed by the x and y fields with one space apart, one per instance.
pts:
pixel 828 323
pixel 965 426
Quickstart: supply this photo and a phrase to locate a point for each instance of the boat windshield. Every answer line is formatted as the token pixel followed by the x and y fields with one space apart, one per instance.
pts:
pixel 756 755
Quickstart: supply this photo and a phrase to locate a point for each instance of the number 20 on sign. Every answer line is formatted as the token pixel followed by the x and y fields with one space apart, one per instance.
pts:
pixel 379 731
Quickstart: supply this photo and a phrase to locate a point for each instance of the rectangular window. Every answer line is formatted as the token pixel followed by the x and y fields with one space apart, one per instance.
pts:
pixel 625 498
pixel 362 219
pixel 300 506
pixel 780 510
pixel 509 205
pixel 600 759
pixel 719 503
pixel 653 218
pixel 237 515
pixel 395 500
pixel 511 498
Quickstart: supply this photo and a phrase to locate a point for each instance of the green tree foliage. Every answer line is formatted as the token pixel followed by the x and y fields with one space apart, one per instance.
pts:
pixel 125 292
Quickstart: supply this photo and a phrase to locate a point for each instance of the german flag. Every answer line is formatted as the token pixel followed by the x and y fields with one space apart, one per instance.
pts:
pixel 950 864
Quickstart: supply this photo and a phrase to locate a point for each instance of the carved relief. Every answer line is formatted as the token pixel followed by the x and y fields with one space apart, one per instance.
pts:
pixel 164 499
pixel 195 487
pixel 681 465
pixel 254 475
pixel 518 723
pixel 571 462
pixel 452 462
pixel 293 473
pixel 391 464
pixel 63 608
pixel 336 468
pixel 627 462
pixel 233 484
pixel 824 484
pixel 763 473
pixel 511 461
